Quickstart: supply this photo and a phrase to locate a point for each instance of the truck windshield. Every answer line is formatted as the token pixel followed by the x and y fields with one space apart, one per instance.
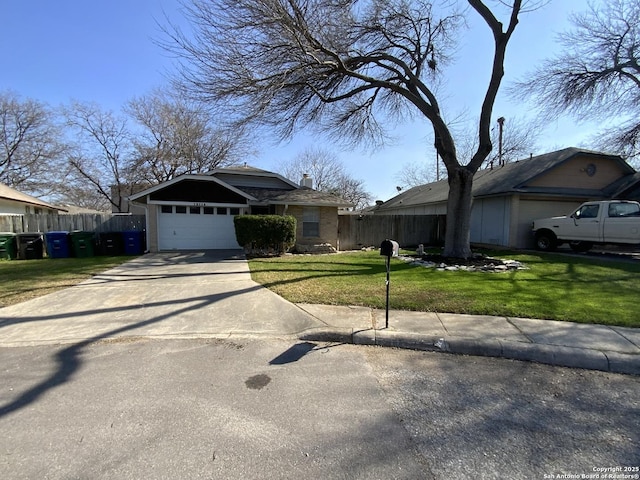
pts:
pixel 623 209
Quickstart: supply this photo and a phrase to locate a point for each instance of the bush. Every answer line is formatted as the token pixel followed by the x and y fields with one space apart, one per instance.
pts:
pixel 265 234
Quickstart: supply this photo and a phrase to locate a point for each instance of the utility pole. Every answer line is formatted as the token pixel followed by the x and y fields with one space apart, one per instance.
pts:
pixel 501 126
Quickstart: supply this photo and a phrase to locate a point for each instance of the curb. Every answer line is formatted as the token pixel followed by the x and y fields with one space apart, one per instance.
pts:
pixel 584 358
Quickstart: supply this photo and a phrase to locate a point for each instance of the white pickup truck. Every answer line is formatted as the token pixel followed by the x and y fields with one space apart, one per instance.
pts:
pixel 610 222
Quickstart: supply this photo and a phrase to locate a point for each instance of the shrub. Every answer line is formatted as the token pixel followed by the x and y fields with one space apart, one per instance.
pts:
pixel 265 234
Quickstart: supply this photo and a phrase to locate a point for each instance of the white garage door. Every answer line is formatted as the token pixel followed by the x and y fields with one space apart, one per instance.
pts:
pixel 196 228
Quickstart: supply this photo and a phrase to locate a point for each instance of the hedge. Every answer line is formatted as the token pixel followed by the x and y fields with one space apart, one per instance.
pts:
pixel 265 234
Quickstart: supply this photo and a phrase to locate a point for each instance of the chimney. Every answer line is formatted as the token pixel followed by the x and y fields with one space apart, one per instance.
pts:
pixel 306 181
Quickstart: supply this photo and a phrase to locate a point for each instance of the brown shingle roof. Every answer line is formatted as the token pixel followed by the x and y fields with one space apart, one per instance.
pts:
pixel 298 196
pixel 12 194
pixel 510 178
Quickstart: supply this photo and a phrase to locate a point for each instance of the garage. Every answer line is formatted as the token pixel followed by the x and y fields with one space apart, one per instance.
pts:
pixel 183 227
pixel 196 211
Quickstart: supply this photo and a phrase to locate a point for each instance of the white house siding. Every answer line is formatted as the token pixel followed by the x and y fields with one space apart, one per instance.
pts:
pixel 490 219
pixel 8 207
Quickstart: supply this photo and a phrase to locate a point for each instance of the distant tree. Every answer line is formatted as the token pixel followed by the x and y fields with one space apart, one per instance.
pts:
pixel 518 142
pixel 338 65
pixel 416 173
pixel 328 174
pixel 30 147
pixel 101 157
pixel 597 75
pixel 177 137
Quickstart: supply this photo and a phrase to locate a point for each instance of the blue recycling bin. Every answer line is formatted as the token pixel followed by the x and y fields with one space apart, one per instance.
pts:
pixel 58 244
pixel 133 242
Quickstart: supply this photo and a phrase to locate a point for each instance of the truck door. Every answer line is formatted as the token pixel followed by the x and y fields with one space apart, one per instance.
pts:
pixel 586 224
pixel 622 224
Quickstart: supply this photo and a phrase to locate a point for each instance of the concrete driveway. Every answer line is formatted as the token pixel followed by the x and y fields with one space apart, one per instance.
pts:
pixel 177 294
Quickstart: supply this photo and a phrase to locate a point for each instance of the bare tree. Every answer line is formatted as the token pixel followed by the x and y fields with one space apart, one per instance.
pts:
pixel 101 156
pixel 30 147
pixel 515 139
pixel 416 173
pixel 328 174
pixel 339 64
pixel 179 137
pixel 597 75
pixel 354 191
pixel 324 167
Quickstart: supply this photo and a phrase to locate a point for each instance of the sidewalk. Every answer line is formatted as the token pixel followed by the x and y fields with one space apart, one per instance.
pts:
pixel 594 347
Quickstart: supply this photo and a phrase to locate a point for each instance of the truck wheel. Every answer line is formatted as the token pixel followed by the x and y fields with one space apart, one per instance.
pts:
pixel 580 247
pixel 546 241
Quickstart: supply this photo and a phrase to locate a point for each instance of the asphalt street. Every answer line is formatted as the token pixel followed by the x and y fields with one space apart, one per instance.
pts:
pixel 279 409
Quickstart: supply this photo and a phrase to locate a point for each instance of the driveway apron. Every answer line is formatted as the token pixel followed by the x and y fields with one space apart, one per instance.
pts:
pixel 176 294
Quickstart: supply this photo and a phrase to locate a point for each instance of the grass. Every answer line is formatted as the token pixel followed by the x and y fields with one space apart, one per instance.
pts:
pixel 22 280
pixel 556 287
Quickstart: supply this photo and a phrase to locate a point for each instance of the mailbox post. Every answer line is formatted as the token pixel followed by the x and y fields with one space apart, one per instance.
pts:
pixel 388 249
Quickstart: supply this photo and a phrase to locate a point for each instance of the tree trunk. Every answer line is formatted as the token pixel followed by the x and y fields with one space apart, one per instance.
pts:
pixel 456 240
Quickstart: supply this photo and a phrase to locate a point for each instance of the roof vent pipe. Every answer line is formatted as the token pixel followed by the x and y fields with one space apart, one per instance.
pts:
pixel 306 181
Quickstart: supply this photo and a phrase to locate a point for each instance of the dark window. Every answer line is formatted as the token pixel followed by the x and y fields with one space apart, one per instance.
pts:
pixel 221 210
pixel 194 210
pixel 166 208
pixel 208 210
pixel 258 210
pixel 181 209
pixel 311 222
pixel 234 211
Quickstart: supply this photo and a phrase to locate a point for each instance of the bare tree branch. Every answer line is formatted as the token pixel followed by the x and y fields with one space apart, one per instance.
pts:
pixel 598 74
pixel 31 153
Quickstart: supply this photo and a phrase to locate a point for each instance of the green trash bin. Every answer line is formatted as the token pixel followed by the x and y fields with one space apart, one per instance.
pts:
pixel 8 249
pixel 82 243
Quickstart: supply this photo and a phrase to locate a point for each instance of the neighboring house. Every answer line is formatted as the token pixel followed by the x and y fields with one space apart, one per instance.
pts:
pixel 194 212
pixel 13 202
pixel 507 199
pixel 76 210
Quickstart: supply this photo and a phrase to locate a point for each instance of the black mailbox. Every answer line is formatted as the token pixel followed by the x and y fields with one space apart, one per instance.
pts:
pixel 389 248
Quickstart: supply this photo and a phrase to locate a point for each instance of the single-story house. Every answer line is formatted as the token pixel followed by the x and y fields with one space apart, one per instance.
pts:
pixel 508 198
pixel 195 212
pixel 13 202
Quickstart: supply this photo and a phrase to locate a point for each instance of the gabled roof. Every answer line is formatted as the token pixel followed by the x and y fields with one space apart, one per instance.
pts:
pixel 205 178
pixel 627 187
pixel 290 194
pixel 510 178
pixel 9 193
pixel 248 171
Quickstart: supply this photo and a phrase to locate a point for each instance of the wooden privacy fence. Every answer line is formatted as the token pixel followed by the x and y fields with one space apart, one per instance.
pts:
pixel 87 222
pixel 356 231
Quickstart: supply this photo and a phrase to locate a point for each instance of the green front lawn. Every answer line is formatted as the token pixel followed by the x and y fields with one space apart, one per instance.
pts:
pixel 555 287
pixel 22 280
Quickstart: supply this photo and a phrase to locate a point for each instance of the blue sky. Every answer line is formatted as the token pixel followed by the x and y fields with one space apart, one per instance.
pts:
pixel 103 51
